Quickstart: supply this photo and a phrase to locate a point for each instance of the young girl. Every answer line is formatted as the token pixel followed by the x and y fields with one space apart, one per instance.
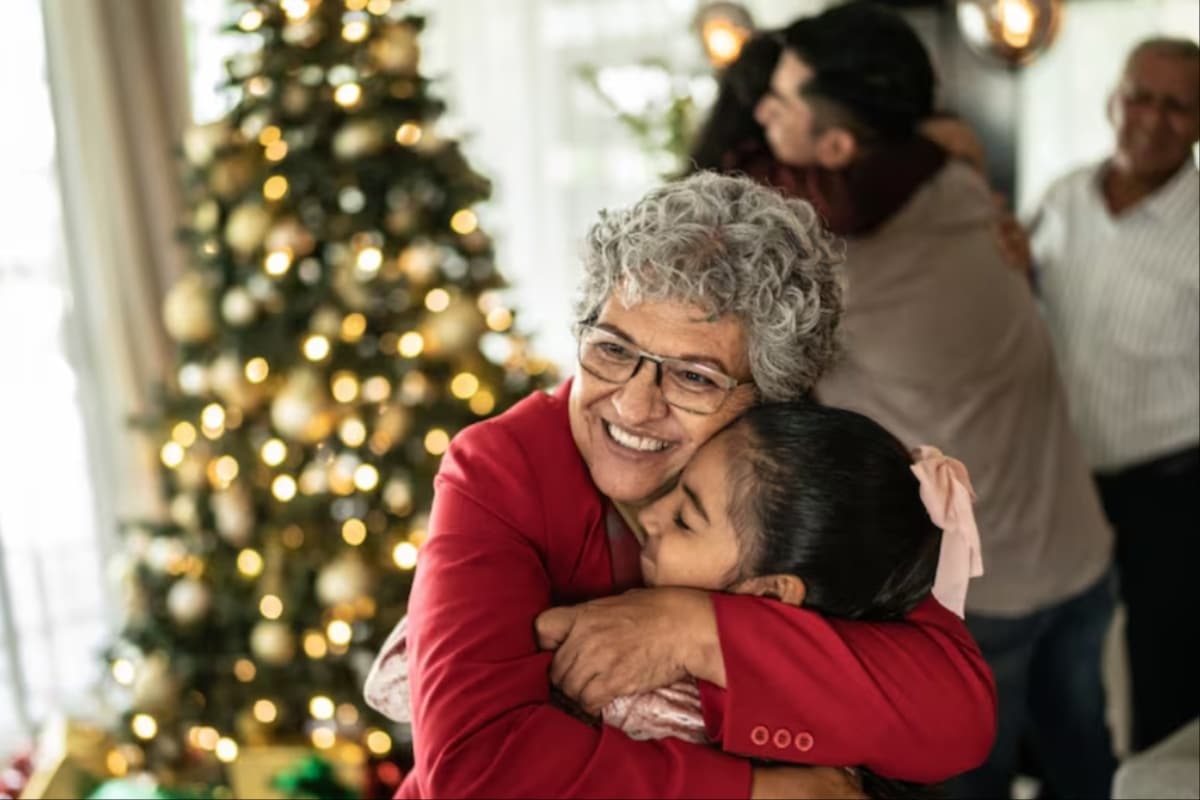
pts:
pixel 813 506
pixel 817 507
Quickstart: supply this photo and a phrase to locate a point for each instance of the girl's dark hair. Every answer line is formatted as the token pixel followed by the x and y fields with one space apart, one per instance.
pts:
pixel 828 495
pixel 731 122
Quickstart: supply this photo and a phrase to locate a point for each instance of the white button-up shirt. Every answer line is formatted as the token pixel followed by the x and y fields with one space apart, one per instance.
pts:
pixel 1122 298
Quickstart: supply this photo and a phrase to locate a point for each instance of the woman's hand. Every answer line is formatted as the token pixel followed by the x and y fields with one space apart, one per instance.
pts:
pixel 629 643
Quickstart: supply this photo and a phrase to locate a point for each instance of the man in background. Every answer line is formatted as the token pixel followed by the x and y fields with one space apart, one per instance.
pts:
pixel 944 346
pixel 1116 249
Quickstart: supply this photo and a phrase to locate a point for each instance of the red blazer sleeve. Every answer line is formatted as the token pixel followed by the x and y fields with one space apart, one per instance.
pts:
pixel 483 725
pixel 912 700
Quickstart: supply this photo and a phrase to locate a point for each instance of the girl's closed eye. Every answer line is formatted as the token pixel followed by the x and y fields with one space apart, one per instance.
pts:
pixel 678 520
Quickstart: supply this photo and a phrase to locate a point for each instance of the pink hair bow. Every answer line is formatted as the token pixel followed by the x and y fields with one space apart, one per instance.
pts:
pixel 947 494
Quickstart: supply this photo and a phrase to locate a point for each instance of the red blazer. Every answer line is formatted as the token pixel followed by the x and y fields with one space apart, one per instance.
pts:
pixel 517 526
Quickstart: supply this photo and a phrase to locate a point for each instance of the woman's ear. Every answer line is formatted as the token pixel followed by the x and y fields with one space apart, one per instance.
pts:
pixel 784 588
pixel 835 149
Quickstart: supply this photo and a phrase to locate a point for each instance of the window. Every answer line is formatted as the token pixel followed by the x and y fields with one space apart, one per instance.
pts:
pixel 52 606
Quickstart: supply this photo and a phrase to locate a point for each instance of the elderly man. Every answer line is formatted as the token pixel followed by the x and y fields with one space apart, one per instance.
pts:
pixel 1115 249
pixel 944 344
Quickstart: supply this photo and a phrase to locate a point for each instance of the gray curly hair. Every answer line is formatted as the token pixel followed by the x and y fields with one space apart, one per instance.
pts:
pixel 730 246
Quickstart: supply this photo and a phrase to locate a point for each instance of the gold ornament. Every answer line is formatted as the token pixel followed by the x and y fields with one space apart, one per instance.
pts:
pixel 453 330
pixel 227 379
pixel 396 51
pixel 358 138
pixel 234 514
pixel 230 176
pixel 301 410
pixel 188 600
pixel 155 688
pixel 289 234
pixel 246 228
pixel 295 99
pixel 188 310
pixel 201 142
pixel 272 642
pixel 206 216
pixel 343 581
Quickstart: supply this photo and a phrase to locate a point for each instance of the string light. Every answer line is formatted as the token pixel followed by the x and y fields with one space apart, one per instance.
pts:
pixel 314 645
pixel 499 319
pixel 184 433
pixel 464 221
pixel 275 187
pixel 252 20
pixel 277 262
pixel 376 389
pixel 265 711
pixel 379 742
pixel 244 670
pixel 366 477
pixel 369 260
pixel 353 327
pixel 411 344
pixel 276 151
pixel 320 707
pixel 226 749
pixel 323 738
pixel 212 420
pixel 257 369
pixel 295 9
pixel 482 403
pixel 347 95
pixel 436 441
pixel 355 30
pixel 344 386
pixel 408 134
pixel 437 300
pixel 352 431
pixel 292 537
pixel 171 454
pixel 250 563
pixel 270 135
pixel 356 5
pixel 316 347
pixel 226 469
pixel 338 632
pixel 273 452
pixel 123 671
pixel 284 488
pixel 379 7
pixel 270 606
pixel 144 726
pixel 405 555
pixel 464 385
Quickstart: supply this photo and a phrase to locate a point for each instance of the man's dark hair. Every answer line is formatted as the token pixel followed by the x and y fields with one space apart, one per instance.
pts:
pixel 871 72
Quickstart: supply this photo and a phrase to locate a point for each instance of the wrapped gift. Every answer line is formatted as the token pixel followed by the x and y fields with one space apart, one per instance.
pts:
pixel 69 760
pixel 298 772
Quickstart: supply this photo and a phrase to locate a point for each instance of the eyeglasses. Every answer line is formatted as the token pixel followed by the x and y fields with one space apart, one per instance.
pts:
pixel 687 385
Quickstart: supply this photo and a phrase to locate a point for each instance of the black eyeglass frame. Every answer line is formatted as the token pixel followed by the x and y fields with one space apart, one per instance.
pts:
pixel 725 382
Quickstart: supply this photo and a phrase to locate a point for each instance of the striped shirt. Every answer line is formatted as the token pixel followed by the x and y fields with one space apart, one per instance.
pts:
pixel 1121 296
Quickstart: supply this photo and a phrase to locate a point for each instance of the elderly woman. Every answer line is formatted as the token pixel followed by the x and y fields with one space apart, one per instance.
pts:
pixel 707 296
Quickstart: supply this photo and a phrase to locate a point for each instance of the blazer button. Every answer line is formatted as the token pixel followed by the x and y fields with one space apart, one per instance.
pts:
pixel 783 738
pixel 760 734
pixel 804 741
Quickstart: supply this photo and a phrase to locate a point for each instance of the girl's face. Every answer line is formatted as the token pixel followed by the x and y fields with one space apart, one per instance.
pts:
pixel 690 540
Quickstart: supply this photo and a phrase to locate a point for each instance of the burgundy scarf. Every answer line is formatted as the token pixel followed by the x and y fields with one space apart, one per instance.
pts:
pixel 858 199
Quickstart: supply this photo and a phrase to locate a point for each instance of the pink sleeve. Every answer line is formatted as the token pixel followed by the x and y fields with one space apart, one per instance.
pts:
pixel 669 711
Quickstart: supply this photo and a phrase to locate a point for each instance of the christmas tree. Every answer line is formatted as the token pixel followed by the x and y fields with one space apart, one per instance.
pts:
pixel 341 319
